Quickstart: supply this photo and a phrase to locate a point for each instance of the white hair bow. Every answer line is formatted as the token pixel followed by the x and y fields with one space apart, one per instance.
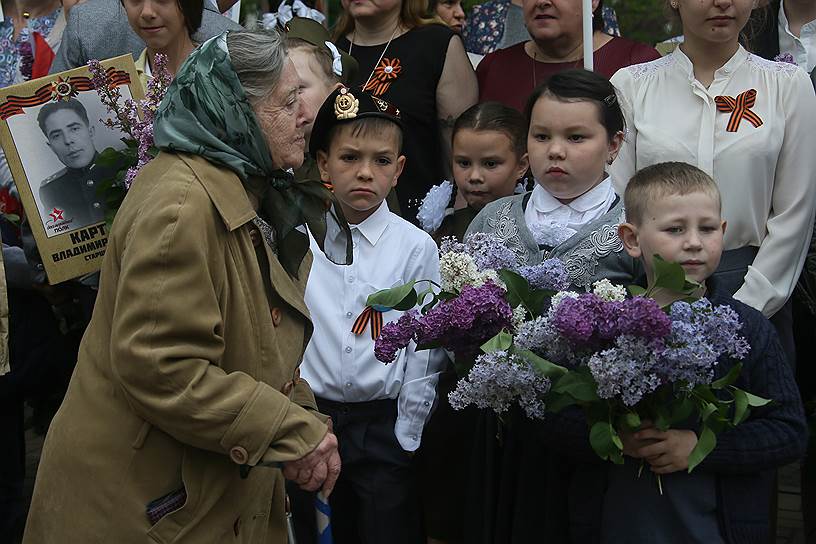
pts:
pixel 287 12
pixel 337 64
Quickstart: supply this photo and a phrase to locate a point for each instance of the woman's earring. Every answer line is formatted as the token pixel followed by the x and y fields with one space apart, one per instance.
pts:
pixel 610 160
pixel 673 5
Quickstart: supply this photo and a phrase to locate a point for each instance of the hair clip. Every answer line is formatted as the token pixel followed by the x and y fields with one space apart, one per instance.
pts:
pixel 610 100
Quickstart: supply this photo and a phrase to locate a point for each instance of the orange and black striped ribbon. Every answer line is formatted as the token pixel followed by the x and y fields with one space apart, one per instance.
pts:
pixel 740 108
pixel 369 315
pixel 383 75
pixel 13 105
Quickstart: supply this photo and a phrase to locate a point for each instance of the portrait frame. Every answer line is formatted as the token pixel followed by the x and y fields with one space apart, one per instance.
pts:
pixel 52 131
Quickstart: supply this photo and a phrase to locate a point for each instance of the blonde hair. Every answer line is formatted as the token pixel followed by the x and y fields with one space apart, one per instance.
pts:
pixel 662 180
pixel 413 13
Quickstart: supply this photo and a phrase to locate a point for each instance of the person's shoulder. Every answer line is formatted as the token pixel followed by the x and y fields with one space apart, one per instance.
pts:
pixel 97 11
pixel 488 7
pixel 755 326
pixel 512 52
pixel 408 233
pixel 784 69
pixel 438 34
pixel 54 179
pixel 502 206
pixel 644 70
pixel 213 24
pixel 636 50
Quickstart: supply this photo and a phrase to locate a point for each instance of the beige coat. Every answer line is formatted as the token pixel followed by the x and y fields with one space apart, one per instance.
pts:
pixel 180 375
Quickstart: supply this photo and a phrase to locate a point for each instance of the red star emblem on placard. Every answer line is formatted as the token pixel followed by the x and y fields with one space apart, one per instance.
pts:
pixel 56 215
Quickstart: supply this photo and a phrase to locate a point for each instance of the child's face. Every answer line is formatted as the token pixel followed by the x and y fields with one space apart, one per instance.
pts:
pixel 685 229
pixel 568 147
pixel 362 169
pixel 314 86
pixel 485 166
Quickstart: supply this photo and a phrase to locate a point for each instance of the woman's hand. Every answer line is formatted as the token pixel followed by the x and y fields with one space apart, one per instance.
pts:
pixel 318 469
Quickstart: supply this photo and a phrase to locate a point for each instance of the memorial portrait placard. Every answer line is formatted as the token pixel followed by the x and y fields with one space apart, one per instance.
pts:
pixel 51 131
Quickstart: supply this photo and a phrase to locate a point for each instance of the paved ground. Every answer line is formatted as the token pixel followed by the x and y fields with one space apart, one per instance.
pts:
pixel 790 527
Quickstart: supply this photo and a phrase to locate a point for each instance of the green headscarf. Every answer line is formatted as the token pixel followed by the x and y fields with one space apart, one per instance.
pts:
pixel 206 112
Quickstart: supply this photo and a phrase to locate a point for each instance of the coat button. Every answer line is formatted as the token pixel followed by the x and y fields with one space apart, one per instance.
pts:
pixel 255 236
pixel 239 455
pixel 276 316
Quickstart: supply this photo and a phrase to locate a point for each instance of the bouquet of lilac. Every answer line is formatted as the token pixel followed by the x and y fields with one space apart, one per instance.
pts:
pixel 483 293
pixel 134 118
pixel 627 359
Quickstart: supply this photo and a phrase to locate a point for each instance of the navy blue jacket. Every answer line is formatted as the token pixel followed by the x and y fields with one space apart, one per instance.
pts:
pixel 745 457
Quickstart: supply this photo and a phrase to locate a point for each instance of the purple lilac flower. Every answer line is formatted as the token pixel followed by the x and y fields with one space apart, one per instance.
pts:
pixel 575 318
pixel 489 252
pixel 550 274
pixel 498 380
pixel 464 323
pixel 451 245
pixel 785 57
pixel 642 316
pixel 687 356
pixel 395 336
pixel 626 371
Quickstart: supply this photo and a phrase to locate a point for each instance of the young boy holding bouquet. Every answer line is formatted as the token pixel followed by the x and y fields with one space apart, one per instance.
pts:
pixel 673 210
pixel 378 411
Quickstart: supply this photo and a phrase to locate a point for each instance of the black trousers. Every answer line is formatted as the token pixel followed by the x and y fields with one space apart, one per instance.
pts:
pixel 375 500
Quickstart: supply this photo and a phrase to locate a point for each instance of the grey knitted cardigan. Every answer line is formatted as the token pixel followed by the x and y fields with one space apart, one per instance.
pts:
pixel 593 253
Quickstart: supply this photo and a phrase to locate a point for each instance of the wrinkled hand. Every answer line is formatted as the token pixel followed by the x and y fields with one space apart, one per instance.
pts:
pixel 318 469
pixel 670 451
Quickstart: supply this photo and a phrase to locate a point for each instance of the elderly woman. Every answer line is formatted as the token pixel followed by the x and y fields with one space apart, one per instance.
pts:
pixel 555 26
pixel 187 375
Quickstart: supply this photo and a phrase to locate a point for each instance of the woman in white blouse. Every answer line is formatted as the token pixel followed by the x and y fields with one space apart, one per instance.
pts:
pixel 749 123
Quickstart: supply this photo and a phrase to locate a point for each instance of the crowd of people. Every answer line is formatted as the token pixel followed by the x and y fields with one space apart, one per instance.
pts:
pixel 167 421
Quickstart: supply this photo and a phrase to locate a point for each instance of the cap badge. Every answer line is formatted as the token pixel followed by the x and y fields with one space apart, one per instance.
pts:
pixel 346 105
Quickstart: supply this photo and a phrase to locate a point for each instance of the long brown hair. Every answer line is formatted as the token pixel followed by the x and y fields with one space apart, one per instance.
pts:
pixel 413 13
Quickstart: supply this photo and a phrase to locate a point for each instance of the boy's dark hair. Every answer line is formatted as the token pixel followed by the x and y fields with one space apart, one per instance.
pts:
pixel 498 117
pixel 52 107
pixel 582 85
pixel 191 10
pixel 661 180
pixel 366 126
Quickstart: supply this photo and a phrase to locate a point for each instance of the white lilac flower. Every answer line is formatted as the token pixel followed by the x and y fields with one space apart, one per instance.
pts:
pixel 608 291
pixel 434 206
pixel 457 270
pixel 519 314
pixel 488 275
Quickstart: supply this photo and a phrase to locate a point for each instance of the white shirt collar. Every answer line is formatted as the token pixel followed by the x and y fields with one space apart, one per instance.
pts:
pixel 374 225
pixel 728 68
pixel 544 202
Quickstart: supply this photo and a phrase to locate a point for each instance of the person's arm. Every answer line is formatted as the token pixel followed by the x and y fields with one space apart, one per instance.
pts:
pixel 165 343
pixel 772 276
pixel 774 435
pixel 625 165
pixel 70 53
pixel 422 368
pixel 456 91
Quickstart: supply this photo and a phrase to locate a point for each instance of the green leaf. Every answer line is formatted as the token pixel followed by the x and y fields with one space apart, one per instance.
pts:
pixel 390 298
pixel 500 342
pixel 408 302
pixel 705 444
pixel 661 419
pixel 544 367
pixel 707 409
pixel 558 401
pixel 604 440
pixel 681 411
pixel 109 157
pixel 518 290
pixel 632 421
pixel 755 401
pixel 578 385
pixel 728 379
pixel 667 275
pixel 636 290
pixel 740 406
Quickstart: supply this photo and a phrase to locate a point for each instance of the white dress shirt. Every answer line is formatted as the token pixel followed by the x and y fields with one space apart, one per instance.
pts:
pixel 339 365
pixel 544 210
pixel 766 174
pixel 803 46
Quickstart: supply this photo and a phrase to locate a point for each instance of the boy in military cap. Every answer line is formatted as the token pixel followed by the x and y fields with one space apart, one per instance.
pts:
pixel 378 410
